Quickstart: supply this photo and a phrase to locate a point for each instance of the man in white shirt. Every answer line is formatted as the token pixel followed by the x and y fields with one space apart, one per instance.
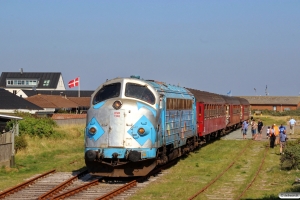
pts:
pixel 292 125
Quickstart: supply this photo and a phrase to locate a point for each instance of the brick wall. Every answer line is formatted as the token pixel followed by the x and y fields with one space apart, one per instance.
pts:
pixel 65 119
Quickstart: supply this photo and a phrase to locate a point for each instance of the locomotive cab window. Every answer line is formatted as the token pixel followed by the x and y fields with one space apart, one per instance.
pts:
pixel 107 92
pixel 139 92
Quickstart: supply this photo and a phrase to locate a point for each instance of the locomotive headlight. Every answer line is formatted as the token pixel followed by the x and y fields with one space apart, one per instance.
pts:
pixel 141 131
pixel 92 130
pixel 117 105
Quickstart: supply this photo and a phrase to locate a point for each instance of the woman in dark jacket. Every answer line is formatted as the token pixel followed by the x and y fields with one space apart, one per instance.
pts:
pixel 272 137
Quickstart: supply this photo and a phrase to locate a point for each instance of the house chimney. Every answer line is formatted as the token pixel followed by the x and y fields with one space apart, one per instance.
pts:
pixel 21 70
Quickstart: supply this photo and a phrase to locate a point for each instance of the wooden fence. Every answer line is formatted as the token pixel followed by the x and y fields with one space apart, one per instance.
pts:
pixel 5 149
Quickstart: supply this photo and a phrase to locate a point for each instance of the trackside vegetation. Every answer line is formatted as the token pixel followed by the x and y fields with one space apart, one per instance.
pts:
pixel 291 157
pixel 42 146
pixel 62 148
pixel 34 126
pixel 194 172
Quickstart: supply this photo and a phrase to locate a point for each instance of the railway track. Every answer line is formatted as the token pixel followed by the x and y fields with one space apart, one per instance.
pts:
pixel 63 185
pixel 229 187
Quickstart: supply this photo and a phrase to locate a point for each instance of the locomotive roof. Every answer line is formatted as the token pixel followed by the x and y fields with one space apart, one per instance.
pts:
pixel 171 91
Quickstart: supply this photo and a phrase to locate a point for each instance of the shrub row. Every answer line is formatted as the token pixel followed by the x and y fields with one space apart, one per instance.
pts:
pixel 291 157
pixel 32 126
pixel 276 113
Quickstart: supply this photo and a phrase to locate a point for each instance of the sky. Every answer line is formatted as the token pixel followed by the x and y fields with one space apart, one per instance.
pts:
pixel 249 47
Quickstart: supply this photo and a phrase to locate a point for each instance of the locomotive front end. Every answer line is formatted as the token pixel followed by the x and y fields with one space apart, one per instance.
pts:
pixel 121 129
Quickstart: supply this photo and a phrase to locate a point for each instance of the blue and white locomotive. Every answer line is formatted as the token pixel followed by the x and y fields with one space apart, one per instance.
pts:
pixel 133 125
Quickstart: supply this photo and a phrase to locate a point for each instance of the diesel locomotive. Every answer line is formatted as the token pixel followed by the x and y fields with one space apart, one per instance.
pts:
pixel 134 125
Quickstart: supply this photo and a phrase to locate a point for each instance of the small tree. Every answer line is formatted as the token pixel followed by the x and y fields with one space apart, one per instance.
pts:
pixel 291 157
pixel 20 143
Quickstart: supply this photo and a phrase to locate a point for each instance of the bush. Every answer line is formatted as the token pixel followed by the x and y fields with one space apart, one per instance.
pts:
pixel 20 143
pixel 34 126
pixel 291 157
pixel 277 113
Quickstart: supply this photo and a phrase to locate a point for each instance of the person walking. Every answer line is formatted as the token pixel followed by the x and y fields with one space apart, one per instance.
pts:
pixel 268 132
pixel 272 137
pixel 245 128
pixel 260 127
pixel 253 129
pixel 292 123
pixel 276 133
pixel 283 139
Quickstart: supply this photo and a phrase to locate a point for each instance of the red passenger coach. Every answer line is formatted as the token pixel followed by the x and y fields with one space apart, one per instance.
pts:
pixel 211 115
pixel 233 112
pixel 245 107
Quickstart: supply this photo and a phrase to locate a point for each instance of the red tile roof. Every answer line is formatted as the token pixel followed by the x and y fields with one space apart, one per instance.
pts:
pixel 52 101
pixel 81 101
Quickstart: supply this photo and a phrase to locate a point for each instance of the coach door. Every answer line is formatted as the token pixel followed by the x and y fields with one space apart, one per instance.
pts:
pixel 200 118
pixel 116 129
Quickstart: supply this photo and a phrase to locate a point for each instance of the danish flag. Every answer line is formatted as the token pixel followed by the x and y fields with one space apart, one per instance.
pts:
pixel 74 82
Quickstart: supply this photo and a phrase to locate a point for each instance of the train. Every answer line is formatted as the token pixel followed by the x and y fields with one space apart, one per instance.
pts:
pixel 134 125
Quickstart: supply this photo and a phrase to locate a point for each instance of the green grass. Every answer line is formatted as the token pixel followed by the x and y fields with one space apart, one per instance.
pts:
pixel 64 152
pixel 269 120
pixel 191 174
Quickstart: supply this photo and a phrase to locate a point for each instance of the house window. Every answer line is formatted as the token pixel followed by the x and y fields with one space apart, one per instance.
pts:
pixel 46 83
pixel 22 83
pixel 9 82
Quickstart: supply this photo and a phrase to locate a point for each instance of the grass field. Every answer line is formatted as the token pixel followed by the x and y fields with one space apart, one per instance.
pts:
pixel 43 154
pixel 183 180
pixel 191 174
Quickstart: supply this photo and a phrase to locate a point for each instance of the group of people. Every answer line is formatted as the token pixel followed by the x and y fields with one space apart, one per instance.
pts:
pixel 277 135
pixel 256 129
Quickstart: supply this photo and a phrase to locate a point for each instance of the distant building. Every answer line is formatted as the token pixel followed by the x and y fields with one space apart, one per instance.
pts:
pixel 9 103
pixel 57 103
pixel 67 93
pixel 275 103
pixel 15 82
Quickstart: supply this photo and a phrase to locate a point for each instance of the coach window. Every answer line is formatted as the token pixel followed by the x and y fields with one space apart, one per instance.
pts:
pixel 139 92
pixel 107 92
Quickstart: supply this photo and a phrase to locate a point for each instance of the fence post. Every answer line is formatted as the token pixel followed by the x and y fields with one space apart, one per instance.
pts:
pixel 12 159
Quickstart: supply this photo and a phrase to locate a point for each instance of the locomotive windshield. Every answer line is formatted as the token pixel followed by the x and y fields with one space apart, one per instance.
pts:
pixel 107 92
pixel 139 92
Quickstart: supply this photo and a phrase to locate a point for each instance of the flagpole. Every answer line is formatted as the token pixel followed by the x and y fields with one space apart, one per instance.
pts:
pixel 79 86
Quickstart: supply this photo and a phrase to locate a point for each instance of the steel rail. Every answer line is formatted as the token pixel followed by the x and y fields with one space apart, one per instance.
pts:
pixel 23 185
pixel 118 190
pixel 256 174
pixel 61 186
pixel 76 190
pixel 215 179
